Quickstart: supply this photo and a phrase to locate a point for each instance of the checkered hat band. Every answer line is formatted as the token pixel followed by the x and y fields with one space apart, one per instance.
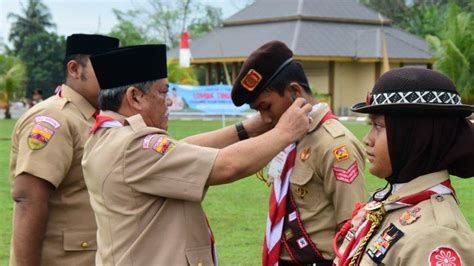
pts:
pixel 431 97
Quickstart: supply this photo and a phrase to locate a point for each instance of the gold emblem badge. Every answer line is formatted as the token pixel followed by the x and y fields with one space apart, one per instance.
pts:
pixel 304 155
pixel 341 153
pixel 288 234
pixel 301 192
pixel 251 80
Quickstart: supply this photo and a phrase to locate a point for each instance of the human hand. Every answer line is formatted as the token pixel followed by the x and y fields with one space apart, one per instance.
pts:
pixel 294 123
pixel 256 125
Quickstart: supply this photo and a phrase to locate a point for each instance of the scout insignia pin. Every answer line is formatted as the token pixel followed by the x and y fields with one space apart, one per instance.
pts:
pixel 410 216
pixel 288 234
pixel 341 153
pixel 251 80
pixel 373 205
pixel 301 192
pixel 304 155
pixel 445 256
pixel 384 242
pixel 39 137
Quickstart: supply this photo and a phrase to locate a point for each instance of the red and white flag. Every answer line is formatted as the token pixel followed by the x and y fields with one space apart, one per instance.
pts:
pixel 277 209
pixel 184 51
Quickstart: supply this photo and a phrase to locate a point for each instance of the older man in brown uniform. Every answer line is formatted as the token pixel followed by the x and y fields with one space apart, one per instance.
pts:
pixel 326 179
pixel 53 223
pixel 146 188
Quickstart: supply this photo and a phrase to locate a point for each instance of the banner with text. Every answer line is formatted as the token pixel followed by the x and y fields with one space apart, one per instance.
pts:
pixel 212 99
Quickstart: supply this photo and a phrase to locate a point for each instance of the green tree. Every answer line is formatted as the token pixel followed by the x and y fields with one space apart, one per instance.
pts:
pixel 127 31
pixel 34 18
pixel 43 54
pixel 180 75
pixel 454 50
pixel 163 21
pixel 12 78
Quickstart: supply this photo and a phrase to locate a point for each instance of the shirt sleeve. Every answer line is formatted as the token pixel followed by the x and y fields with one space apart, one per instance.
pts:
pixel 45 147
pixel 158 165
pixel 342 170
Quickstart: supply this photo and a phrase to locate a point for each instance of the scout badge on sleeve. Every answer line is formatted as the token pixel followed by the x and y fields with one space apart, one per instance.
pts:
pixel 384 242
pixel 445 256
pixel 341 153
pixel 162 145
pixel 346 175
pixel 39 137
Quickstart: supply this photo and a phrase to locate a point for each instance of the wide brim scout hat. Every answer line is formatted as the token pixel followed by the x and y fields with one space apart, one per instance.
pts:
pixel 259 70
pixel 414 91
pixel 89 44
pixel 130 65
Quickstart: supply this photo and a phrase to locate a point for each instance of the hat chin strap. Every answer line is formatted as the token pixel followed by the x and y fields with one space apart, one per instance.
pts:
pixel 279 69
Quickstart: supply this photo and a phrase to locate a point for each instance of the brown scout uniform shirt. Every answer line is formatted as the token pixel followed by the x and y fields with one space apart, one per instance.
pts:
pixel 324 200
pixel 440 229
pixel 63 124
pixel 147 199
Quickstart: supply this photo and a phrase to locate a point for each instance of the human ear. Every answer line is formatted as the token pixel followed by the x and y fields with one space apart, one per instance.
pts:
pixel 73 69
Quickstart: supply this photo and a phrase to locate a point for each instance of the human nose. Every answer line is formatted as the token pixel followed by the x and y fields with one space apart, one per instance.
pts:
pixel 368 139
pixel 169 102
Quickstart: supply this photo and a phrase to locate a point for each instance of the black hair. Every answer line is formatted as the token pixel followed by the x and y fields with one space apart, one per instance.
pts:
pixel 292 73
pixel 111 99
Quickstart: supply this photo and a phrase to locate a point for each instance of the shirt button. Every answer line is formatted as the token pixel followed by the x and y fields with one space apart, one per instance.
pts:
pixel 200 264
pixel 439 198
pixel 84 244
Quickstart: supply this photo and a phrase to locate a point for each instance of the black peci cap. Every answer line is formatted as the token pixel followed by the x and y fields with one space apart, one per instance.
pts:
pixel 414 91
pixel 259 70
pixel 89 44
pixel 130 65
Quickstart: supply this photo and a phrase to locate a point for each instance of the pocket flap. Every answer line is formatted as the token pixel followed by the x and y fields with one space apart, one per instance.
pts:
pixel 80 240
pixel 301 176
pixel 201 256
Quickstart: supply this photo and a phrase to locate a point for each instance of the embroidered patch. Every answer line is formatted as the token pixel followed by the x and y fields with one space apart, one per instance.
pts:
pixel 292 216
pixel 302 242
pixel 384 242
pixel 346 175
pixel 147 140
pixel 341 153
pixel 49 120
pixel 251 80
pixel 163 145
pixel 305 154
pixel 410 216
pixel 39 137
pixel 445 256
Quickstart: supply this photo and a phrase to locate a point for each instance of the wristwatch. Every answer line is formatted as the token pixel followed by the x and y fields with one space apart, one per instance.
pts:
pixel 241 132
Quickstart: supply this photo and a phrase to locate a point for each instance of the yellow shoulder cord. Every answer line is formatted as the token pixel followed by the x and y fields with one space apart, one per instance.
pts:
pixel 376 217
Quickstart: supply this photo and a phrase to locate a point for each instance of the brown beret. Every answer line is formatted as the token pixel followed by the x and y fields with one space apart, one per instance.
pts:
pixel 259 70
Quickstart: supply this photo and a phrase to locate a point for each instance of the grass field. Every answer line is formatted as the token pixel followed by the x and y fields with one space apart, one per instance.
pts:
pixel 237 212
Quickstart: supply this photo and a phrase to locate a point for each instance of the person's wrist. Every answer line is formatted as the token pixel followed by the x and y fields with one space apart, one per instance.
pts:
pixel 241 131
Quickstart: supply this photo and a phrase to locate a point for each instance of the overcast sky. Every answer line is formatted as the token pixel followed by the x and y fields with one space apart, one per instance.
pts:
pixel 92 16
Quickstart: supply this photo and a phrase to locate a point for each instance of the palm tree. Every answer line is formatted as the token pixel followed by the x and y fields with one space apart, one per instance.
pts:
pixel 180 75
pixel 454 50
pixel 33 19
pixel 12 78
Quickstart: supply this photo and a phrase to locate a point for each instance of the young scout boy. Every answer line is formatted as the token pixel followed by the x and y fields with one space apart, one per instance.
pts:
pixel 319 179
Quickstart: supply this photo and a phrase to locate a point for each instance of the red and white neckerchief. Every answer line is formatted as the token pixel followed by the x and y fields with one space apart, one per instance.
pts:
pixel 362 228
pixel 103 121
pixel 277 209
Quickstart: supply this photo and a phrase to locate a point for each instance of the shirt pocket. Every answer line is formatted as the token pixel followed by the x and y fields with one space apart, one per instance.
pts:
pixel 201 256
pixel 305 190
pixel 80 240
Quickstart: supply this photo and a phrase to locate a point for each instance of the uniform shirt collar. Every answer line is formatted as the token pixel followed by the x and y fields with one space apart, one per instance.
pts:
pixel 86 109
pixel 135 121
pixel 422 183
pixel 317 114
